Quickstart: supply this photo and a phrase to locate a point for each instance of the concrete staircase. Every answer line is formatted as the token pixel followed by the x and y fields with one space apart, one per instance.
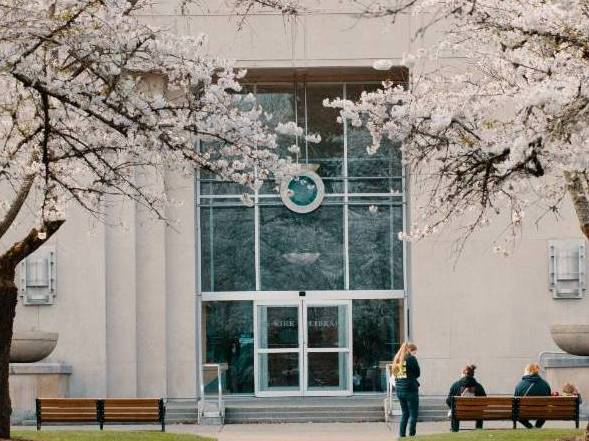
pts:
pixel 250 410
pixel 431 408
pixel 304 410
pixel 181 411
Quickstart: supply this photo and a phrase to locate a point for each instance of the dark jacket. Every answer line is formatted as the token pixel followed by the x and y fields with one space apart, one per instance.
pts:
pixel 406 380
pixel 532 386
pixel 465 382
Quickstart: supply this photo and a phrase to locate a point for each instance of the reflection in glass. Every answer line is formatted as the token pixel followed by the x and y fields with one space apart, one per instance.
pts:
pixel 327 326
pixel 306 251
pixel 279 101
pixel 378 330
pixel 301 251
pixel 329 153
pixel 228 339
pixel 278 327
pixel 227 249
pixel 327 371
pixel 376 173
pixel 279 371
pixel 372 244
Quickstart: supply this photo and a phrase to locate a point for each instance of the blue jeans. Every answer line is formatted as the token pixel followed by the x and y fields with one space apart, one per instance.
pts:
pixel 409 401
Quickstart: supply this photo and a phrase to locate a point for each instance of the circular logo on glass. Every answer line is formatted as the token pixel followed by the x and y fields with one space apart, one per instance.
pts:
pixel 302 193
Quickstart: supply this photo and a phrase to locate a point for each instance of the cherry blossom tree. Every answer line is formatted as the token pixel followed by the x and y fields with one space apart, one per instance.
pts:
pixel 502 130
pixel 89 98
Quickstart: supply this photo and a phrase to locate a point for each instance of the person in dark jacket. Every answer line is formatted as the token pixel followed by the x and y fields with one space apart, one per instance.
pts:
pixel 405 369
pixel 532 385
pixel 467 386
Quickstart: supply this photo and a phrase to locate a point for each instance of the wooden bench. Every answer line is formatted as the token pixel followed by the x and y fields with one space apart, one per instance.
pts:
pixel 133 410
pixel 549 408
pixel 483 408
pixel 101 411
pixel 515 408
pixel 66 410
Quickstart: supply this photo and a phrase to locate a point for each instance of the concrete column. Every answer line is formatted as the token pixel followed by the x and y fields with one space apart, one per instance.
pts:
pixel 180 288
pixel 121 323
pixel 150 279
pixel 79 312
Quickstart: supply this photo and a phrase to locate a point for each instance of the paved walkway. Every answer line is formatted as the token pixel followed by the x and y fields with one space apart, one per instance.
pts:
pixel 328 432
pixel 303 432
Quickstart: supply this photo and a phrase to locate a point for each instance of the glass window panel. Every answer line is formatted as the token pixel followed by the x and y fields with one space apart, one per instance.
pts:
pixel 227 249
pixel 280 101
pixel 327 371
pixel 370 173
pixel 301 251
pixel 279 372
pixel 378 331
pixel 329 153
pixel 371 246
pixel 278 327
pixel 397 244
pixel 229 341
pixel 327 326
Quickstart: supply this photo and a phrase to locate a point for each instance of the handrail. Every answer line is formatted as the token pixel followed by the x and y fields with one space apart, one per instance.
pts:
pixel 390 388
pixel 219 390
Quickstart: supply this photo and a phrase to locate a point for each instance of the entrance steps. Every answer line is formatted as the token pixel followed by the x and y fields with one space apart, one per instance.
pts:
pixel 304 410
pixel 181 411
pixel 431 408
pixel 250 410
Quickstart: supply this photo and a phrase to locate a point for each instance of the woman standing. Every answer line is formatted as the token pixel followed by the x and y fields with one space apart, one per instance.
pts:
pixel 405 369
pixel 467 386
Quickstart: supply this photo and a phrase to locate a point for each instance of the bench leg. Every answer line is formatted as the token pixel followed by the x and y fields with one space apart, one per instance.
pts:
pixel 38 426
pixel 514 424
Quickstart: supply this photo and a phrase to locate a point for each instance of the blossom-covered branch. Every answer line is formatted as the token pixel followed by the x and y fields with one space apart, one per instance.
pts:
pixel 89 94
pixel 506 130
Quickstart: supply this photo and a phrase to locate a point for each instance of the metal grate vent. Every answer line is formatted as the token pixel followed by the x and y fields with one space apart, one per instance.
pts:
pixel 567 268
pixel 38 277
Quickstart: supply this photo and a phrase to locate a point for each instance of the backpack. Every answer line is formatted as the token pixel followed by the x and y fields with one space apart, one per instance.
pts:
pixel 468 392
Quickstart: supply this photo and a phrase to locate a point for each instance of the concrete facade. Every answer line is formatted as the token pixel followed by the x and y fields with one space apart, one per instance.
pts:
pixel 125 306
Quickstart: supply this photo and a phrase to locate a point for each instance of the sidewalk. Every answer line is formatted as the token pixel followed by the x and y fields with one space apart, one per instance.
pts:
pixel 302 432
pixel 330 432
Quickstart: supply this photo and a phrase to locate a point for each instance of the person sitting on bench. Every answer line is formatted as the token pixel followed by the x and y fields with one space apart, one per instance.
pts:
pixel 532 385
pixel 467 386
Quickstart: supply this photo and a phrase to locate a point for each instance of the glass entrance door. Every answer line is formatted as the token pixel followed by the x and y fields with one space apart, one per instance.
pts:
pixel 278 342
pixel 327 352
pixel 303 348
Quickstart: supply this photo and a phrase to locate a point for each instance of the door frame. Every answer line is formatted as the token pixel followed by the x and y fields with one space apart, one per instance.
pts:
pixel 258 350
pixel 303 350
pixel 305 304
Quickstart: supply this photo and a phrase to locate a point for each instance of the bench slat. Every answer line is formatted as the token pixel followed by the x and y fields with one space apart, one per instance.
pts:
pixel 489 400
pixel 61 403
pixel 135 418
pixel 70 418
pixel 130 414
pixel 138 402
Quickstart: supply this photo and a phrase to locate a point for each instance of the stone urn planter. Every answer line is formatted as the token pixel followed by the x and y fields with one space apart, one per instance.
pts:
pixel 32 346
pixel 573 339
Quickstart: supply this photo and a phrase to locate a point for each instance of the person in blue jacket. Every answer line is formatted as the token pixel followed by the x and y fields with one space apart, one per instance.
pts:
pixel 405 370
pixel 532 385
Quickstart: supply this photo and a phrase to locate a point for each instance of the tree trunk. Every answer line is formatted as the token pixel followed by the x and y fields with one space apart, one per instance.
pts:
pixel 8 299
pixel 578 194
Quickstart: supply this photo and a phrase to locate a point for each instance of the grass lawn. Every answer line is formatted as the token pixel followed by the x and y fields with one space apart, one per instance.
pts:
pixel 107 435
pixel 503 435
